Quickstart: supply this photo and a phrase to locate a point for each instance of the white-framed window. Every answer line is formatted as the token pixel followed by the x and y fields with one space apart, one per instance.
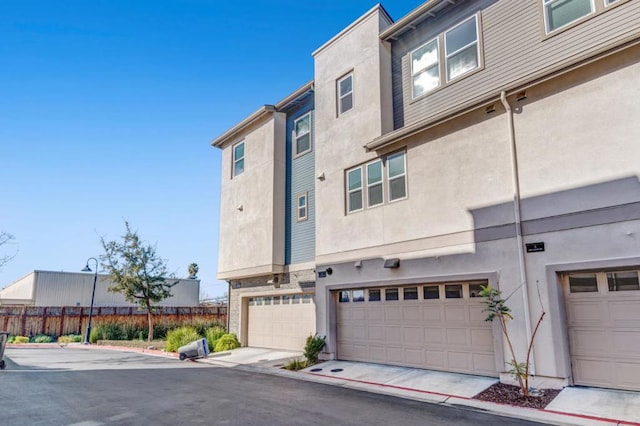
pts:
pixel 354 190
pixel 425 68
pixel 302 135
pixel 560 13
pixel 397 176
pixel 608 2
pixel 376 182
pixel 454 53
pixel 375 187
pixel 345 93
pixel 462 48
pixel 238 159
pixel 302 209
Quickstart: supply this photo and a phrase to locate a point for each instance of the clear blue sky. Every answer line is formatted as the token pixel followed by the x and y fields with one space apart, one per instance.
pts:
pixel 108 107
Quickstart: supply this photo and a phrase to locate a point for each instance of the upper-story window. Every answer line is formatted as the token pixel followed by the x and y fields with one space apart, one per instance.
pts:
pixel 460 55
pixel 238 159
pixel 558 13
pixel 302 135
pixel 385 181
pixel 608 2
pixel 461 46
pixel 345 93
pixel 302 210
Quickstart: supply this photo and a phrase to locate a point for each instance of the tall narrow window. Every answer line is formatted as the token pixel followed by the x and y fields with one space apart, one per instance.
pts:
pixel 558 13
pixel 425 69
pixel 302 135
pixel 301 213
pixel 354 190
pixel 375 194
pixel 345 94
pixel 461 47
pixel 238 159
pixel 396 176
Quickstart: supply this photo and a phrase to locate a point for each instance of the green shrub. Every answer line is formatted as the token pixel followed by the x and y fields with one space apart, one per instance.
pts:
pixel 180 337
pixel 202 325
pixel 295 365
pixel 70 338
pixel 226 342
pixel 21 339
pixel 42 338
pixel 313 347
pixel 213 334
pixel 107 331
pixel 10 339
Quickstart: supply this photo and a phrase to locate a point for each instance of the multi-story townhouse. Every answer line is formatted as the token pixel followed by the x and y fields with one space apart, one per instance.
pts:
pixel 267 223
pixel 468 143
pixel 510 160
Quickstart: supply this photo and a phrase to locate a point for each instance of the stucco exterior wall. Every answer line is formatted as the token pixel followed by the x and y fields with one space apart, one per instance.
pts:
pixel 251 235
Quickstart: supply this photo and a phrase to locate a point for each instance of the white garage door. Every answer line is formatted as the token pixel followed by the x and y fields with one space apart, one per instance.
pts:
pixel 434 326
pixel 281 322
pixel 603 314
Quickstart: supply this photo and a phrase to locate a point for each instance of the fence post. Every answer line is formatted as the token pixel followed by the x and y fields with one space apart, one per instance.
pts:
pixel 62 317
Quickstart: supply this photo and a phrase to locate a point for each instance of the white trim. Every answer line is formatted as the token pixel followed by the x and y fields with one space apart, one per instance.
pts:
pixel 403 175
pixel 422 70
pixel 447 56
pixel 296 136
pixel 299 196
pixel 236 160
pixel 342 96
pixel 380 182
pixel 360 188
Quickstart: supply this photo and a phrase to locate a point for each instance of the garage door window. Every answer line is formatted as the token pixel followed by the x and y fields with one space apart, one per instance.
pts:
pixel 453 291
pixel 286 300
pixel 374 295
pixel 583 283
pixel 344 297
pixel 358 295
pixel 267 301
pixel 391 294
pixel 410 293
pixel 276 300
pixel 623 281
pixel 474 290
pixel 431 292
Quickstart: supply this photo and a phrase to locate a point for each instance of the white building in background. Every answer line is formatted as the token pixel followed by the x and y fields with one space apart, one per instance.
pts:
pixel 50 288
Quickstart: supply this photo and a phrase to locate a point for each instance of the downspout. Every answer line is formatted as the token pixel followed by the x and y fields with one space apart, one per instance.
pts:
pixel 228 305
pixel 518 221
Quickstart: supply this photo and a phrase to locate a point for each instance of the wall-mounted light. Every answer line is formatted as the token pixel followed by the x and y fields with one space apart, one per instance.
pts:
pixel 358 264
pixel 392 263
pixel 240 207
pixel 521 96
pixel 491 108
pixel 321 176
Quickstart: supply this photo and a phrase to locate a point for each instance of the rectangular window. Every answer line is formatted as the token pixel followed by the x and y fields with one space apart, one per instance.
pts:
pixel 425 68
pixel 295 299
pixel 276 300
pixel 608 2
pixel 374 295
pixel 623 281
pixel 375 194
pixel 267 301
pixel 559 13
pixel 410 293
pixel 583 283
pixel 396 176
pixel 354 190
pixel 302 135
pixel 391 294
pixel 345 94
pixel 474 290
pixel 343 296
pixel 358 295
pixel 238 159
pixel 301 209
pixel 431 292
pixel 461 48
pixel 453 291
pixel 307 298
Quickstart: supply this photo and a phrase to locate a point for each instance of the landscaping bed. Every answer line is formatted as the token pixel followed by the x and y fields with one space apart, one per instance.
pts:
pixel 508 394
pixel 142 344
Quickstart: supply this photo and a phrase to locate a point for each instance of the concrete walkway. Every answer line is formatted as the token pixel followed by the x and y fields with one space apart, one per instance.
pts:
pixel 573 406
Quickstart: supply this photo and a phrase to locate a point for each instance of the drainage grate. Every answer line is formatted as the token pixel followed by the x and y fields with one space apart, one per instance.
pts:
pixel 337 370
pixel 315 370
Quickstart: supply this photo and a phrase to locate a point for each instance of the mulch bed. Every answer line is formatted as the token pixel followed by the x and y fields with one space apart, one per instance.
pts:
pixel 507 394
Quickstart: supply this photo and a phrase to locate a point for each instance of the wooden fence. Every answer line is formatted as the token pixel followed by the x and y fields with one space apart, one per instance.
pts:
pixel 59 321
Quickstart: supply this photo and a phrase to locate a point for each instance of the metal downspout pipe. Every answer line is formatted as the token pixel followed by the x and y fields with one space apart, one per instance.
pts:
pixel 518 222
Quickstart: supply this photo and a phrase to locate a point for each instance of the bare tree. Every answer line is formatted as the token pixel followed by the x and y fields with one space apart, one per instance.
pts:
pixel 6 238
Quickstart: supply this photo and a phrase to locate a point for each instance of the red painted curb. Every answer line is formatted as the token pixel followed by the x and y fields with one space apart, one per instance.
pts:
pixel 93 346
pixel 580 416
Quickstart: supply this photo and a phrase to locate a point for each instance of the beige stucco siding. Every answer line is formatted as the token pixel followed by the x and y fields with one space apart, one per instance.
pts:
pixel 252 204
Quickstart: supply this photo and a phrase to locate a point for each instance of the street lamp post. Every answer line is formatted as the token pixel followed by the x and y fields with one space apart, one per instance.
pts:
pixel 93 295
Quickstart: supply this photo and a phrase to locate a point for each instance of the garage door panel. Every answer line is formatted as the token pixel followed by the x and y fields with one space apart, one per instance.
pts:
pixel 433 336
pixel 456 314
pixel 457 337
pixel 593 371
pixel 586 341
pixel 359 314
pixel 626 342
pixel 627 374
pixel 428 333
pixel 624 312
pixel 587 312
pixel 413 336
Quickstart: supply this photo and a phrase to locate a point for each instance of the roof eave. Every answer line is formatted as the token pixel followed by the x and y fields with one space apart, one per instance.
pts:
pixel 262 112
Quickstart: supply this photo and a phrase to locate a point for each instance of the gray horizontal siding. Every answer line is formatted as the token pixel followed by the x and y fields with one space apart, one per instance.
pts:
pixel 300 240
pixel 514 47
